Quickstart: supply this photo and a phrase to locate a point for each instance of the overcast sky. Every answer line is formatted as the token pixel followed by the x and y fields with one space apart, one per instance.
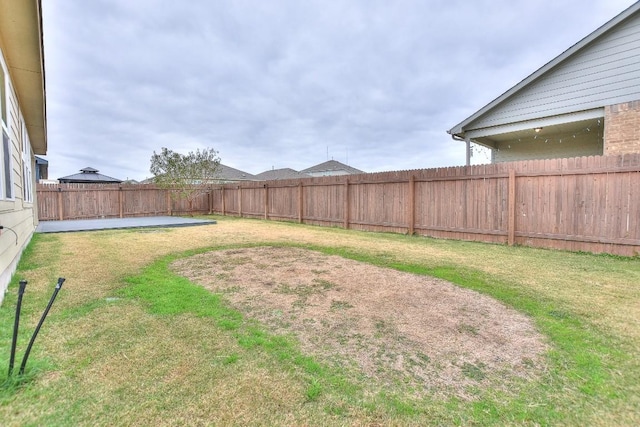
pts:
pixel 288 83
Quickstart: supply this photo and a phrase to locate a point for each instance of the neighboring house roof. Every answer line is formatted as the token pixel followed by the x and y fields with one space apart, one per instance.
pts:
pixel 276 174
pixel 41 161
pixel 599 70
pixel 223 174
pixel 42 169
pixel 21 32
pixel 331 167
pixel 227 173
pixel 89 176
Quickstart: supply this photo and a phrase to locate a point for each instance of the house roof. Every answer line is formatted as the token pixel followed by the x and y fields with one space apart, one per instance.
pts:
pixel 331 166
pixel 227 173
pixel 459 129
pixel 41 161
pixel 275 174
pixel 223 173
pixel 21 38
pixel 89 175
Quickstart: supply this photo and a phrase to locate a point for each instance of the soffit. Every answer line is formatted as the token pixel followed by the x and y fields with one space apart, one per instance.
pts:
pixel 21 42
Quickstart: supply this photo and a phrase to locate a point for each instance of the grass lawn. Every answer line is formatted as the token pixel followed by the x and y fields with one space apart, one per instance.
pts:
pixel 129 342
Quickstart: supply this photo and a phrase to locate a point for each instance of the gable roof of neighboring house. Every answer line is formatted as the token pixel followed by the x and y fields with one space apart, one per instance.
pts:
pixel 223 173
pixel 227 173
pixel 331 167
pixel 601 69
pixel 276 174
pixel 89 176
pixel 22 48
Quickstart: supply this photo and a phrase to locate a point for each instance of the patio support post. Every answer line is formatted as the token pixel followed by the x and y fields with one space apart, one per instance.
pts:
pixel 468 142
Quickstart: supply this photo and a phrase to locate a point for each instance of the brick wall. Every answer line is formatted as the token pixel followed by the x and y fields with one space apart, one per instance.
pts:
pixel 622 128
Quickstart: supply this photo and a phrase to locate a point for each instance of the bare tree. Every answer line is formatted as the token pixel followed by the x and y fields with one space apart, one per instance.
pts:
pixel 185 175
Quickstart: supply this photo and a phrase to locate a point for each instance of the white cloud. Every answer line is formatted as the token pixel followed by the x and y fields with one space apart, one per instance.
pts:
pixel 281 83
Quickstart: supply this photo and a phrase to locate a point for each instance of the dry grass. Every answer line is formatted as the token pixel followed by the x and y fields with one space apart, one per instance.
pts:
pixel 396 327
pixel 104 361
pixel 589 289
pixel 571 275
pixel 138 368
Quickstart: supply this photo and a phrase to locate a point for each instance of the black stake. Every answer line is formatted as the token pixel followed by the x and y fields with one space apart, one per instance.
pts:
pixel 16 324
pixel 44 315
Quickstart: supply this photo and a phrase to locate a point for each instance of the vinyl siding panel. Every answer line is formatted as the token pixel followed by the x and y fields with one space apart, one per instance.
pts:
pixel 14 213
pixel 605 72
pixel 21 221
pixel 16 146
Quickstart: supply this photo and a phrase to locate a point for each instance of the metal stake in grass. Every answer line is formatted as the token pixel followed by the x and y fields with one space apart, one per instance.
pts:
pixel 44 315
pixel 16 324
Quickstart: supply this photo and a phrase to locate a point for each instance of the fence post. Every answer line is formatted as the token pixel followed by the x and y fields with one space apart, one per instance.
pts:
pixel 120 207
pixel 266 201
pixel 240 201
pixel 223 202
pixel 210 193
pixel 300 200
pixel 511 232
pixel 412 204
pixel 60 205
pixel 168 202
pixel 346 203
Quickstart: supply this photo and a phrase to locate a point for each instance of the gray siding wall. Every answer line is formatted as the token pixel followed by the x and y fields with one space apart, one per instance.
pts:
pixel 605 72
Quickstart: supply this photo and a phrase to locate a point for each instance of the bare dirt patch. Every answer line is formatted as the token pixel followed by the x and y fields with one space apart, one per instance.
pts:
pixel 394 327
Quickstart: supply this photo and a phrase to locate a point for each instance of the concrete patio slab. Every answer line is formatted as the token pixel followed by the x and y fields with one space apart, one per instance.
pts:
pixel 116 223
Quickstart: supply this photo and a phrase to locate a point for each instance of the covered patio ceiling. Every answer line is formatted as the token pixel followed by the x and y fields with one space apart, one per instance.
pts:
pixel 587 132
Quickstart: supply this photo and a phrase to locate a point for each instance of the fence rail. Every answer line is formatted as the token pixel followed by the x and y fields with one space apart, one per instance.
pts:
pixel 581 204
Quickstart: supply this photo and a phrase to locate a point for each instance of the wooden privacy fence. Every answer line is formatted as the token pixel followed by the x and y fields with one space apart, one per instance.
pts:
pixel 581 204
pixel 86 201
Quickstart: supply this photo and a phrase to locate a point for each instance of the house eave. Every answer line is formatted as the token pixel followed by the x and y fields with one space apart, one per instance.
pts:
pixel 22 46
pixel 462 128
pixel 595 113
